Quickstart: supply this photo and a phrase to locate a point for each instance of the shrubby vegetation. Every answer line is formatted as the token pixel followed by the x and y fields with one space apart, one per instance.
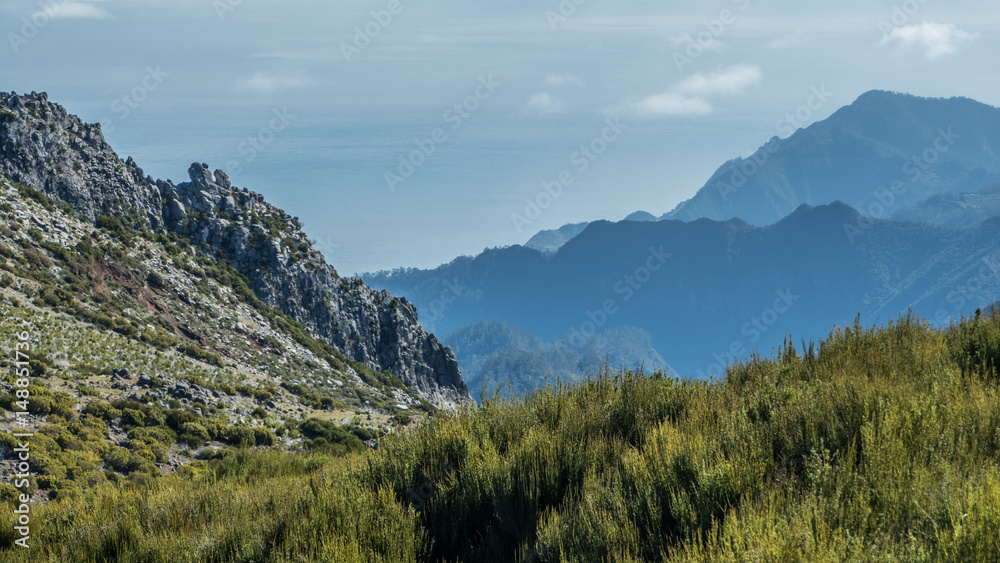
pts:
pixel 876 445
pixel 70 452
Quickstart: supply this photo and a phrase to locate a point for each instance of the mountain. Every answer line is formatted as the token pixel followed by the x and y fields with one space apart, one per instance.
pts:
pixel 269 261
pixel 887 155
pixel 881 153
pixel 641 216
pixel 493 354
pixel 708 291
pixel 953 210
pixel 551 241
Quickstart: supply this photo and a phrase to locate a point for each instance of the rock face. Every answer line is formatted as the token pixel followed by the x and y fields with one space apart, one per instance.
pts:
pixel 44 147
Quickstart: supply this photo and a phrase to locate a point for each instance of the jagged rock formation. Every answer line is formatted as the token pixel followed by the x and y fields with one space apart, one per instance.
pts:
pixel 44 147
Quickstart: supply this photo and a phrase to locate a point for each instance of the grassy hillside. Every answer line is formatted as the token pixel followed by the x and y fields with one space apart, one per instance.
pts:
pixel 145 357
pixel 159 296
pixel 876 445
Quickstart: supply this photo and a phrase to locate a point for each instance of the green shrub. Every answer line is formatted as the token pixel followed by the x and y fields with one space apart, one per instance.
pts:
pixel 155 280
pixel 195 352
pixel 193 433
pixel 102 410
pixel 132 418
pixel 263 437
pixel 324 435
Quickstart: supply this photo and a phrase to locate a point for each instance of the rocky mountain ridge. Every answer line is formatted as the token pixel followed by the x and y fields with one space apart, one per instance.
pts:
pixel 54 152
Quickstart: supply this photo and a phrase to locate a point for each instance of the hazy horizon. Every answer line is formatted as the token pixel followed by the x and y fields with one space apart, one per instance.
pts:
pixel 328 130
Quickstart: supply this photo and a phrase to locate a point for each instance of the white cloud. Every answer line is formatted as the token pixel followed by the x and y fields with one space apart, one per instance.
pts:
pixel 544 102
pixel 563 80
pixel 733 80
pixel 785 42
pixel 938 40
pixel 264 82
pixel 690 97
pixel 672 103
pixel 74 10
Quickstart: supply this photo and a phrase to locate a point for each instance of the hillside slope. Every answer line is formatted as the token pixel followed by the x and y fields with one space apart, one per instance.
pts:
pixel 875 445
pixel 140 358
pixel 954 210
pixel 44 147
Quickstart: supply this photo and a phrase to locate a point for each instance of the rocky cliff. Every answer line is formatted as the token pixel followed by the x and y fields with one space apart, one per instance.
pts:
pixel 44 147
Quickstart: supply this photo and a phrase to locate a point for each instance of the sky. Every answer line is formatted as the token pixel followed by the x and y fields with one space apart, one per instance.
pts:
pixel 405 133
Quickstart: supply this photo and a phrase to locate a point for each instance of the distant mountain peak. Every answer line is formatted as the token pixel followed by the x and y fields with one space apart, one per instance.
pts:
pixel 922 146
pixel 641 217
pixel 837 213
pixel 882 95
pixel 551 241
pixel 889 96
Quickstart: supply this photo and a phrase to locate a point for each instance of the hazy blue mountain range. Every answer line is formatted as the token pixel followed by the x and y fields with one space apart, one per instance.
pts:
pixel 493 354
pixel 641 216
pixel 551 241
pixel 709 290
pixel 955 210
pixel 881 153
pixel 887 155
pixel 716 291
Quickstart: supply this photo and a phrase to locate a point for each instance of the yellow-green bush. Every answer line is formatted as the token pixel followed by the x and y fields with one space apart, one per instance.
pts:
pixel 879 445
